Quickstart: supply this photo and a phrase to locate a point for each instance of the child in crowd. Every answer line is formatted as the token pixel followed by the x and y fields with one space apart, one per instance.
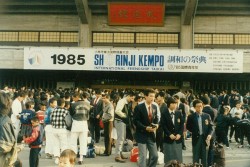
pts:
pixel 222 122
pixel 40 115
pixel 25 119
pixel 48 128
pixel 35 142
pixel 67 158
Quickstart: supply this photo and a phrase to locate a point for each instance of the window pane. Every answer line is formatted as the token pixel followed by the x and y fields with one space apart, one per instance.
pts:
pixel 49 36
pixel 146 38
pixel 69 37
pixel 123 37
pixel 8 36
pixel 28 36
pixel 103 37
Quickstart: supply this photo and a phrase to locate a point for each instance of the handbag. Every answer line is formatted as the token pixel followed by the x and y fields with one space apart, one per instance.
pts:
pixel 106 117
pixel 101 124
pixel 134 154
pixel 68 121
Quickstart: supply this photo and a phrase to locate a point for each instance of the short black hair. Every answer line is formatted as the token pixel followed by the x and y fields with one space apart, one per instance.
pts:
pixel 35 119
pixel 196 102
pixel 98 92
pixel 29 104
pixel 147 91
pixel 176 97
pixel 238 102
pixel 205 100
pixel 161 94
pixel 106 95
pixel 60 101
pixel 171 100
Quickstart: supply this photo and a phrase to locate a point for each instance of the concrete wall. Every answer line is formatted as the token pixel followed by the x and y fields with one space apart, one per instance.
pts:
pixel 202 24
pixel 11 58
pixel 100 23
pixel 39 23
pixel 220 24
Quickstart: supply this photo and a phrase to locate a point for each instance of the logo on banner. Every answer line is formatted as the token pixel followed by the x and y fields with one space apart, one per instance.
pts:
pixel 35 58
pixel 171 67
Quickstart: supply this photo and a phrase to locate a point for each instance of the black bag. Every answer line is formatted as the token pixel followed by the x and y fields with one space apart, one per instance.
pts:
pixel 68 121
pixel 219 156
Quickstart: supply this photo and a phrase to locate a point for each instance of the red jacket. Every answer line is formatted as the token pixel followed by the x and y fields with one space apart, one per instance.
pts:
pixel 33 138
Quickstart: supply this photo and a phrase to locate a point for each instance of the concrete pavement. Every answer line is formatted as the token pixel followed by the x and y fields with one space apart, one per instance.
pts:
pixel 234 157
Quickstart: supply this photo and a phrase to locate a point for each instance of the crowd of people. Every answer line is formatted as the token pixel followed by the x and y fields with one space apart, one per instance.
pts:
pixel 153 119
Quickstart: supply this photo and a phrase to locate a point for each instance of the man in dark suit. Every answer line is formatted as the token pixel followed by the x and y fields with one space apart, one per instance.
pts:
pixel 172 123
pixel 200 125
pixel 95 116
pixel 160 99
pixel 213 114
pixel 146 118
pixel 181 108
pixel 225 100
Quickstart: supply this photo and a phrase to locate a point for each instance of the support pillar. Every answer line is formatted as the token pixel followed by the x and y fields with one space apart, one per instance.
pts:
pixel 85 35
pixel 186 35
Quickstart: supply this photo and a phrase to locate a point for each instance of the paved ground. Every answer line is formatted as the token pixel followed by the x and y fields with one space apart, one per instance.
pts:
pixel 239 157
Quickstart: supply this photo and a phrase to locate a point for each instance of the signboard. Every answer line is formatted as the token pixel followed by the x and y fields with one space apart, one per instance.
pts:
pixel 151 14
pixel 147 60
pixel 65 85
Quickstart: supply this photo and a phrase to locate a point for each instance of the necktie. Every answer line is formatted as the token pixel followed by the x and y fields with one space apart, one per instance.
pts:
pixel 149 114
pixel 172 116
pixel 200 124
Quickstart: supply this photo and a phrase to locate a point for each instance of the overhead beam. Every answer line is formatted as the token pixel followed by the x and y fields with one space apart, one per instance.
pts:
pixel 223 5
pixel 189 11
pixel 222 13
pixel 32 2
pixel 37 10
pixel 83 10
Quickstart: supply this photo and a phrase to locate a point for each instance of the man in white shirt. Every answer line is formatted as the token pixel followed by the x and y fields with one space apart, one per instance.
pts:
pixel 121 121
pixel 16 110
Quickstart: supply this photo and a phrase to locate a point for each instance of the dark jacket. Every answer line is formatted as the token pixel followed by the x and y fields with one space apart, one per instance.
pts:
pixel 26 116
pixel 96 109
pixel 214 102
pixel 170 128
pixel 211 111
pixel 222 122
pixel 181 108
pixel 193 127
pixel 225 100
pixel 141 121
